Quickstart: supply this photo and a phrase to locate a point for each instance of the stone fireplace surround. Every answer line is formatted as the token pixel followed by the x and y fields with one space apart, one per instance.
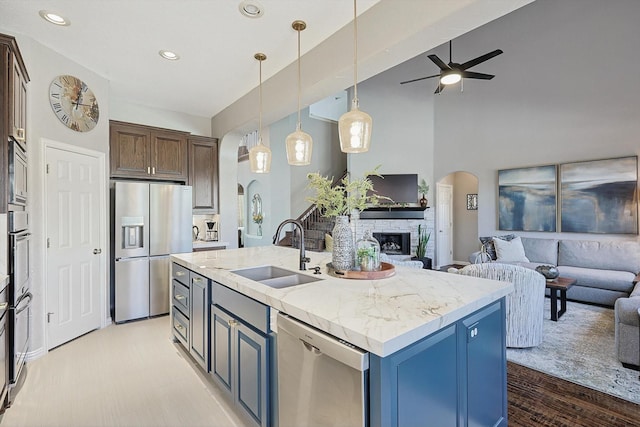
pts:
pixel 399 226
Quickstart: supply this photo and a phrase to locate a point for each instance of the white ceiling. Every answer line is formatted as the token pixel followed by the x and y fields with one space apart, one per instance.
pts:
pixel 120 40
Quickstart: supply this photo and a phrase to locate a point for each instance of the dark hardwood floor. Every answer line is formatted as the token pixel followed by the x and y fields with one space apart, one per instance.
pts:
pixel 538 399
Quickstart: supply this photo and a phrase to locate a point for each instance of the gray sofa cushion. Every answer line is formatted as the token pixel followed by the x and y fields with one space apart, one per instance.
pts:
pixel 604 279
pixel 623 256
pixel 543 251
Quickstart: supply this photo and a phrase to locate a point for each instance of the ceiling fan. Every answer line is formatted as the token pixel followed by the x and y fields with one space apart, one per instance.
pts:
pixel 453 72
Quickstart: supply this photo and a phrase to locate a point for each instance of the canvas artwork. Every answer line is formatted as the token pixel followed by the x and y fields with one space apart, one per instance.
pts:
pixel 527 199
pixel 600 196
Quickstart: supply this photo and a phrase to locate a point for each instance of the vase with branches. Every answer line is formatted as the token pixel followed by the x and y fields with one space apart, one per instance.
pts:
pixel 338 201
pixel 423 188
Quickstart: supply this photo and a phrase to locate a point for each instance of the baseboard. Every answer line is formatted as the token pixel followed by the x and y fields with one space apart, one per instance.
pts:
pixel 630 366
pixel 35 354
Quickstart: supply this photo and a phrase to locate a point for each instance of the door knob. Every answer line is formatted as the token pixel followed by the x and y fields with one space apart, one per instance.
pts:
pixel 97 251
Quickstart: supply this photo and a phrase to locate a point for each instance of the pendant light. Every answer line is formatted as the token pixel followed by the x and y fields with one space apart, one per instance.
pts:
pixel 354 127
pixel 260 154
pixel 299 144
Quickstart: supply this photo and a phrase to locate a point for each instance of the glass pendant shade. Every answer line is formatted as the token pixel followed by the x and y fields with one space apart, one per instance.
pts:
pixel 299 147
pixel 354 129
pixel 260 158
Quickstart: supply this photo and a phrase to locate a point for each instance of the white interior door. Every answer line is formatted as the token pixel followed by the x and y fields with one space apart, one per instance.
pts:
pixel 75 255
pixel 445 225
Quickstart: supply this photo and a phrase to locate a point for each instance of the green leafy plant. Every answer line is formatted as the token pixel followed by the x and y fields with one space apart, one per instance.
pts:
pixel 343 198
pixel 423 187
pixel 423 239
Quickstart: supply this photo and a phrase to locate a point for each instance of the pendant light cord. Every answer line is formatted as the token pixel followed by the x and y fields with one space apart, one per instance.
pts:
pixel 260 106
pixel 355 53
pixel 299 86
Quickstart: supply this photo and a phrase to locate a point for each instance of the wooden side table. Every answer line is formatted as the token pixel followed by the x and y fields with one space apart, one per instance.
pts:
pixel 559 284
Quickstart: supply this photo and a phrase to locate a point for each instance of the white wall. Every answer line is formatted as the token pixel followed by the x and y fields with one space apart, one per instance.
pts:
pixel 134 113
pixel 563 92
pixel 43 65
pixel 402 133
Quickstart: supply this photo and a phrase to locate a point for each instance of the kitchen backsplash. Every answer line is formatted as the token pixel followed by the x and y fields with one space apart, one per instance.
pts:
pixel 200 221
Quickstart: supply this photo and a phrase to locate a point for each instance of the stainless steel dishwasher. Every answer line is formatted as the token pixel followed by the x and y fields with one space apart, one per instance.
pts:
pixel 322 381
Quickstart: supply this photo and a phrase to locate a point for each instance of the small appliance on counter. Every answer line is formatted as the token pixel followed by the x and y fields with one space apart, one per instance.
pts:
pixel 211 235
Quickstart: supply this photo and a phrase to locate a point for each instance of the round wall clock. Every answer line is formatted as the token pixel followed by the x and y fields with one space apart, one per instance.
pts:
pixel 74 103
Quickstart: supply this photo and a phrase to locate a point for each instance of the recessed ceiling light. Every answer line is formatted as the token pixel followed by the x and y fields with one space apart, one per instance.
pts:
pixel 171 56
pixel 54 18
pixel 251 8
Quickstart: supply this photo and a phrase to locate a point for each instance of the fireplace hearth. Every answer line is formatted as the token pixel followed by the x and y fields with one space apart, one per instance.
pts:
pixel 394 243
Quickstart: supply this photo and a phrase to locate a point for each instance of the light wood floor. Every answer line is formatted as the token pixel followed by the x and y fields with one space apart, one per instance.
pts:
pixel 123 375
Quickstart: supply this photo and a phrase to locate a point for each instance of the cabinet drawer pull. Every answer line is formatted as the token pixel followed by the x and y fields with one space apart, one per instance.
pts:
pixel 233 322
pixel 197 279
pixel 180 297
pixel 4 306
pixel 180 327
pixel 180 273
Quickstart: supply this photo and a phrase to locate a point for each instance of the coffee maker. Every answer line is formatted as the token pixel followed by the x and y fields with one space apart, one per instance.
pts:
pixel 212 231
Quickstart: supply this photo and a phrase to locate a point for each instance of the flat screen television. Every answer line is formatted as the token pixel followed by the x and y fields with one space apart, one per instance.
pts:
pixel 401 188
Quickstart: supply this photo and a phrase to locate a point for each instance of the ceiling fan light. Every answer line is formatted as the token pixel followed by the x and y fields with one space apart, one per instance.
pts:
pixel 450 78
pixel 299 148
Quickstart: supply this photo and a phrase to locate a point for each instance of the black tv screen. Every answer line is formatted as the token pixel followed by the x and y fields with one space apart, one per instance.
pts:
pixel 401 188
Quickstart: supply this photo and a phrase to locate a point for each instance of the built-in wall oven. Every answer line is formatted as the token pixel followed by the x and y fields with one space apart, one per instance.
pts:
pixel 19 295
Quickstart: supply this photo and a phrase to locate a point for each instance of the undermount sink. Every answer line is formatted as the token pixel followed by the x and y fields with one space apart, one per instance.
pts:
pixel 274 277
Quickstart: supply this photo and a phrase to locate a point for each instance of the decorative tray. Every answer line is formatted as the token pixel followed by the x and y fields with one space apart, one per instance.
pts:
pixel 386 270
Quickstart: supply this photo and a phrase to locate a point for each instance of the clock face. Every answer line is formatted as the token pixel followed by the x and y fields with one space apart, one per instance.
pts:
pixel 74 103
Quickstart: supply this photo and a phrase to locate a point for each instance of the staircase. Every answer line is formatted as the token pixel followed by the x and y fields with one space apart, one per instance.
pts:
pixel 315 227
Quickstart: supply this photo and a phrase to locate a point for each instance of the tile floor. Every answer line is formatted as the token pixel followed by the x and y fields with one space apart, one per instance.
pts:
pixel 124 375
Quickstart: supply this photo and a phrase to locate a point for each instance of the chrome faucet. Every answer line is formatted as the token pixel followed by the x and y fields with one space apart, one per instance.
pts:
pixel 303 258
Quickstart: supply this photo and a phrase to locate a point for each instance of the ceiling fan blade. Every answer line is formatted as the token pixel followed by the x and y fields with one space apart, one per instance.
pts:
pixel 480 59
pixel 472 75
pixel 439 62
pixel 421 78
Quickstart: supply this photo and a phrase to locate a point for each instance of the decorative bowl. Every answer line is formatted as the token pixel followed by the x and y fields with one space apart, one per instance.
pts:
pixel 548 271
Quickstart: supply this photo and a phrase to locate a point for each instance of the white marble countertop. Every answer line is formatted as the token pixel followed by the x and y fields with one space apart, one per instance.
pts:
pixel 380 316
pixel 199 244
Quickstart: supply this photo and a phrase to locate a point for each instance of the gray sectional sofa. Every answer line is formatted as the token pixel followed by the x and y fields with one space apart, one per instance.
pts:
pixel 607 273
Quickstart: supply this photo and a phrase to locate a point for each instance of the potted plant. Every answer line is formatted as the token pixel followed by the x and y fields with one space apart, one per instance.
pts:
pixel 339 201
pixel 423 188
pixel 421 248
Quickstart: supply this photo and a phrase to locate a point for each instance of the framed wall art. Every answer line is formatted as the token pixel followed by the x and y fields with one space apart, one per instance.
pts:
pixel 600 196
pixel 527 199
pixel 472 202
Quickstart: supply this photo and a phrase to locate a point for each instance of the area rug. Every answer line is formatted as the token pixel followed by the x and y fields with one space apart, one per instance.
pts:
pixel 580 347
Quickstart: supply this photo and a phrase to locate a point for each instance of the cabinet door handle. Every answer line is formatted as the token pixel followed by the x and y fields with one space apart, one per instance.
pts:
pixel 196 279
pixel 4 306
pixel 20 134
pixel 233 322
pixel 153 170
pixel 148 170
pixel 180 297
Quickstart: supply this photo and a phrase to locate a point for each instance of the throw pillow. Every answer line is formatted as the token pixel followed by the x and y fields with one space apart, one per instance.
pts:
pixel 487 242
pixel 328 243
pixel 509 251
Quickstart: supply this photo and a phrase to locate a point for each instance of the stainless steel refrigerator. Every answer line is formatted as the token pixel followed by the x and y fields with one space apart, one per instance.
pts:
pixel 149 222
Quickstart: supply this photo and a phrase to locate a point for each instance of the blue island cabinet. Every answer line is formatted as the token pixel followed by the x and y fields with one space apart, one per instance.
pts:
pixel 456 376
pixel 240 352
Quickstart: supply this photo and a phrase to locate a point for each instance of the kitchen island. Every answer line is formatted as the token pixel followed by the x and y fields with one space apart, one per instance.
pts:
pixel 436 334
